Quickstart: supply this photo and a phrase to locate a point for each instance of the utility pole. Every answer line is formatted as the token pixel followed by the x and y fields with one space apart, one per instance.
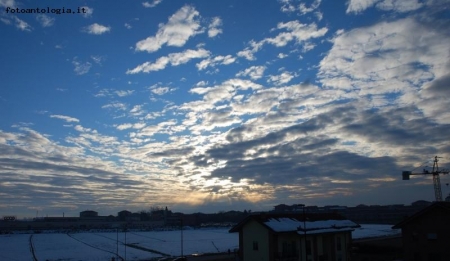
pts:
pixel 436 179
pixel 181 224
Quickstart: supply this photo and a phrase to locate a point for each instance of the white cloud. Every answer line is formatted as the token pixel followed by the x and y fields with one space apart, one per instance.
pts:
pixel 213 29
pixel 358 6
pixel 160 90
pixel 22 25
pixel 181 26
pixel 152 4
pixel 282 78
pixel 5 21
pixel 115 105
pixel 399 5
pixel 305 9
pixel 66 118
pixel 45 20
pixel 211 62
pixel 128 26
pixel 282 55
pixel 8 3
pixel 80 67
pixel 126 126
pixel 98 59
pixel 96 29
pixel 173 59
pixel 123 93
pixel 296 31
pixel 254 72
pixel 287 6
pixel 388 58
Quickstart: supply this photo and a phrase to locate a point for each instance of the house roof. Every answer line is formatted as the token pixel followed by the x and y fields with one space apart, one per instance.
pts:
pixel 310 223
pixel 440 204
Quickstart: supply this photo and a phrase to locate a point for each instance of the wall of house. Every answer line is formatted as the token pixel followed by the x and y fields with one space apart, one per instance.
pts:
pixel 427 237
pixel 252 233
pixel 325 247
pixel 288 246
pixel 342 243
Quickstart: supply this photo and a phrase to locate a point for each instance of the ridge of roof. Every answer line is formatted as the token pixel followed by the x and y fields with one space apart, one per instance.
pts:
pixel 438 204
pixel 262 218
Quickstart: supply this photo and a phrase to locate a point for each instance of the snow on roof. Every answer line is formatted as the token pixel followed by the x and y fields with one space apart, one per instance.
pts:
pixel 325 230
pixel 292 224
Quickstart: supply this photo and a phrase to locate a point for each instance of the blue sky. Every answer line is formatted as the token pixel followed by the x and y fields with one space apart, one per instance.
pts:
pixel 219 105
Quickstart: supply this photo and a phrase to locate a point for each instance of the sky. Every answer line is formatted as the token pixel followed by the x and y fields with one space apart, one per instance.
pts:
pixel 207 106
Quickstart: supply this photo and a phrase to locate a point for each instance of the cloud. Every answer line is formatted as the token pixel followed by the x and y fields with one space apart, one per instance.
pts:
pixel 126 126
pixel 289 6
pixel 160 90
pixel 45 20
pixel 295 32
pixel 8 3
pixel 304 9
pixel 385 63
pixel 115 105
pixel 254 72
pixel 66 118
pixel 22 25
pixel 152 4
pixel 213 29
pixel 96 29
pixel 98 59
pixel 282 78
pixel 181 26
pixel 173 59
pixel 214 61
pixel 80 67
pixel 123 93
pixel 358 6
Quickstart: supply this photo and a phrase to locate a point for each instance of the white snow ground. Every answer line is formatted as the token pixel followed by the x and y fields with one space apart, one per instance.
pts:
pixel 100 246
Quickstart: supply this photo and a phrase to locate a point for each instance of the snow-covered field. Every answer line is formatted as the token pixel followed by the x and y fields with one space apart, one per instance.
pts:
pixel 93 246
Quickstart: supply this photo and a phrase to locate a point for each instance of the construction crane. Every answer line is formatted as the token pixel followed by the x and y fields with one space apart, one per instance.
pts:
pixel 436 179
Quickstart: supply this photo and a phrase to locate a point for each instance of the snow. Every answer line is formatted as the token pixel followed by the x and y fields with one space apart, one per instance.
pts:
pixel 373 230
pixel 290 224
pixel 96 246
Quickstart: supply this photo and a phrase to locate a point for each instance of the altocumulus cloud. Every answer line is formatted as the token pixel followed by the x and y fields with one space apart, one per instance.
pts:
pixel 96 29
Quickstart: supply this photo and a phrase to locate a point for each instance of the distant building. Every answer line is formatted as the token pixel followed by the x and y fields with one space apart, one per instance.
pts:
pixel 88 214
pixel 294 237
pixel 426 234
pixel 421 203
pixel 124 215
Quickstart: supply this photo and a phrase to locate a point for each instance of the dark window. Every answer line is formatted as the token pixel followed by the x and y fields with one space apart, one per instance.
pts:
pixel 255 245
pixel 338 243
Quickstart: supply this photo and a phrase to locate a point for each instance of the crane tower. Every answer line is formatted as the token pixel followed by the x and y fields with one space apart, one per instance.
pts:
pixel 436 179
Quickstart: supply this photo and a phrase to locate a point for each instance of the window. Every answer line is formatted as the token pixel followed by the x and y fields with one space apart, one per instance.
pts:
pixel 255 245
pixel 338 243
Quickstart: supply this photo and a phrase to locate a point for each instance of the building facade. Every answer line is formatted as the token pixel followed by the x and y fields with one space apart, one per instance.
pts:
pixel 294 237
pixel 426 234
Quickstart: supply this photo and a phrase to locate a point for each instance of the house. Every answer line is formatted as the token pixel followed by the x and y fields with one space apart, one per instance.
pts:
pixel 426 234
pixel 281 237
pixel 88 214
